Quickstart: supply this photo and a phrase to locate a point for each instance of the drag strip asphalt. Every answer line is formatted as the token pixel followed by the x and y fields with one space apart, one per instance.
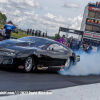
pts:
pixel 16 80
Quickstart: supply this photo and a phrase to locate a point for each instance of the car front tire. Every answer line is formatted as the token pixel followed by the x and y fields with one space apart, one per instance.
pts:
pixel 67 63
pixel 28 66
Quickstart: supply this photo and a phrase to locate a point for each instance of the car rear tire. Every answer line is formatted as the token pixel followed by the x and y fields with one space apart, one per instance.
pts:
pixel 28 66
pixel 67 63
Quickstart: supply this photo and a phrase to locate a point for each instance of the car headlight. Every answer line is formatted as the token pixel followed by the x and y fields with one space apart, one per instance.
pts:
pixel 9 53
pixel 10 61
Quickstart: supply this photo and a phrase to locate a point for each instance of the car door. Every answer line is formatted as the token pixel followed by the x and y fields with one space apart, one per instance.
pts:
pixel 42 56
pixel 55 55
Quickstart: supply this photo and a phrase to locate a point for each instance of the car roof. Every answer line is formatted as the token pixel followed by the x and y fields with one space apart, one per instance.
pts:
pixel 50 40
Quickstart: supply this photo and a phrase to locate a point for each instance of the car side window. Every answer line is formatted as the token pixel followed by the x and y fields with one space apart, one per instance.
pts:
pixel 53 47
pixel 61 49
pixel 65 48
pixel 56 47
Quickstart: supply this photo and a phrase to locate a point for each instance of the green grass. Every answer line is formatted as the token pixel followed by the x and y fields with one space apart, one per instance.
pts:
pixel 19 35
pixel 1 25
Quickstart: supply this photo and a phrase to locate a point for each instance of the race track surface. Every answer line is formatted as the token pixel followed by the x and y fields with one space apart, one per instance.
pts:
pixel 16 80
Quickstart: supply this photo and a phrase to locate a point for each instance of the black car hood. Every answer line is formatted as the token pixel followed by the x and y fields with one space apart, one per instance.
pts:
pixel 16 45
pixel 6 43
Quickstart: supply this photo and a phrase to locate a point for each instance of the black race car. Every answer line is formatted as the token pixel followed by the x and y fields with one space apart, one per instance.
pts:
pixel 32 53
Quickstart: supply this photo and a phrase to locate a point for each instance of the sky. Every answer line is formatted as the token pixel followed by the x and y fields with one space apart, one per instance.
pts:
pixel 45 15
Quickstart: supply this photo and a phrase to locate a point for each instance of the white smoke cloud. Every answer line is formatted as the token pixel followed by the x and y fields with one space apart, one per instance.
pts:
pixel 89 64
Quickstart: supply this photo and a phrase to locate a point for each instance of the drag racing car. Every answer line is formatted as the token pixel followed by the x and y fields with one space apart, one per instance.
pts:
pixel 32 53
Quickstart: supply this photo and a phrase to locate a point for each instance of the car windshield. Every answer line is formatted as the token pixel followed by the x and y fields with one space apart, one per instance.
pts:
pixel 39 42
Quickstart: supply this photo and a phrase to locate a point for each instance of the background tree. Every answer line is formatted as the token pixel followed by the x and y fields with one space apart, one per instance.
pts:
pixel 3 18
pixel 56 36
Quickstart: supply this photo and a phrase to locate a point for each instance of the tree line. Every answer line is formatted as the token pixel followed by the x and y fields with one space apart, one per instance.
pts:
pixel 3 19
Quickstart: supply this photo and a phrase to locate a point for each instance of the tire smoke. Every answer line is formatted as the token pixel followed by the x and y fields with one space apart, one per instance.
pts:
pixel 89 64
